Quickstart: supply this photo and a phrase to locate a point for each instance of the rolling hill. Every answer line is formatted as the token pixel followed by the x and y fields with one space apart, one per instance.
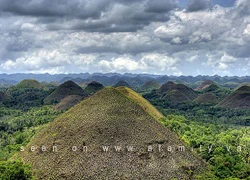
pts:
pixel 93 87
pixel 64 90
pixel 179 93
pixel 238 99
pixel 204 85
pixel 151 85
pixel 29 84
pixel 27 93
pixel 207 98
pixel 90 134
pixel 166 87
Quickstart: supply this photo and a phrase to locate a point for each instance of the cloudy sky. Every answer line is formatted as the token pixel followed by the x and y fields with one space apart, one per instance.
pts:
pixel 172 37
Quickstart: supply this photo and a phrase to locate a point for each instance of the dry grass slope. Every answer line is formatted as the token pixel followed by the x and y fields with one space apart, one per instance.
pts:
pixel 109 117
pixel 138 99
pixel 238 99
pixel 68 102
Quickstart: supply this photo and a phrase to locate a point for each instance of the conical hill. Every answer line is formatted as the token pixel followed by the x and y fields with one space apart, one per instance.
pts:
pixel 89 135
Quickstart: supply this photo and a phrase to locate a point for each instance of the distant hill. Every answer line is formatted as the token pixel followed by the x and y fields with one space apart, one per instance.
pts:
pixel 238 99
pixel 208 84
pixel 166 87
pixel 207 98
pixel 27 93
pixel 122 83
pixel 120 120
pixel 68 102
pixel 29 84
pixel 64 90
pixel 179 93
pixel 93 87
pixel 151 85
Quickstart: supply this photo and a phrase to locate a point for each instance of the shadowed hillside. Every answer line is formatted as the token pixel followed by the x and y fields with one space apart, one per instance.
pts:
pixel 93 87
pixel 166 87
pixel 111 117
pixel 238 99
pixel 68 102
pixel 64 90
pixel 151 85
pixel 179 93
pixel 207 98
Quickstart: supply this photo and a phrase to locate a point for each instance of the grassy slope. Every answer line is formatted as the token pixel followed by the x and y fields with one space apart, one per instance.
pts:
pixel 138 99
pixel 110 117
pixel 64 90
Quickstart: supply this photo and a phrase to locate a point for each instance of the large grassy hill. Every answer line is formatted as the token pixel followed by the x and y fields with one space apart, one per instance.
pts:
pixel 111 117
pixel 238 99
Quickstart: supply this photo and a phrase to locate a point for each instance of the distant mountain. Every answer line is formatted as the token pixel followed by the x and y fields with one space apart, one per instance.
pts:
pixel 238 99
pixel 111 119
pixel 64 90
pixel 207 98
pixel 122 83
pixel 179 93
pixel 68 102
pixel 109 79
pixel 151 85
pixel 93 87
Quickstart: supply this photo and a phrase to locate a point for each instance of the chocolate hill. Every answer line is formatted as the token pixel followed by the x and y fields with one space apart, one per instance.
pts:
pixel 238 99
pixel 207 98
pixel 207 86
pixel 27 93
pixel 29 84
pixel 166 87
pixel 64 90
pixel 93 87
pixel 111 117
pixel 179 93
pixel 68 102
pixel 151 85
pixel 122 83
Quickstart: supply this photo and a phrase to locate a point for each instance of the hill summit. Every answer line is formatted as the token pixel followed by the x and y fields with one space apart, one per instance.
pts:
pixel 122 83
pixel 64 90
pixel 107 136
pixel 93 87
pixel 207 86
pixel 151 85
pixel 177 93
pixel 30 84
pixel 238 99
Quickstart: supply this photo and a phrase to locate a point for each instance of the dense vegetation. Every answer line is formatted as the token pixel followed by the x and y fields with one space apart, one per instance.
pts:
pixel 16 129
pixel 221 136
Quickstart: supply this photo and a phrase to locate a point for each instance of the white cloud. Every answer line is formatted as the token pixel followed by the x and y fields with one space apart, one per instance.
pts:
pixel 121 64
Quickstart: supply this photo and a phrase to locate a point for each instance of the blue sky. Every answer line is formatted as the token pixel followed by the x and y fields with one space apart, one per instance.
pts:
pixel 172 37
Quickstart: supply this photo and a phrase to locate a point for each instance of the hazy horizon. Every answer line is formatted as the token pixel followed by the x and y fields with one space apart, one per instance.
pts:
pixel 163 37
